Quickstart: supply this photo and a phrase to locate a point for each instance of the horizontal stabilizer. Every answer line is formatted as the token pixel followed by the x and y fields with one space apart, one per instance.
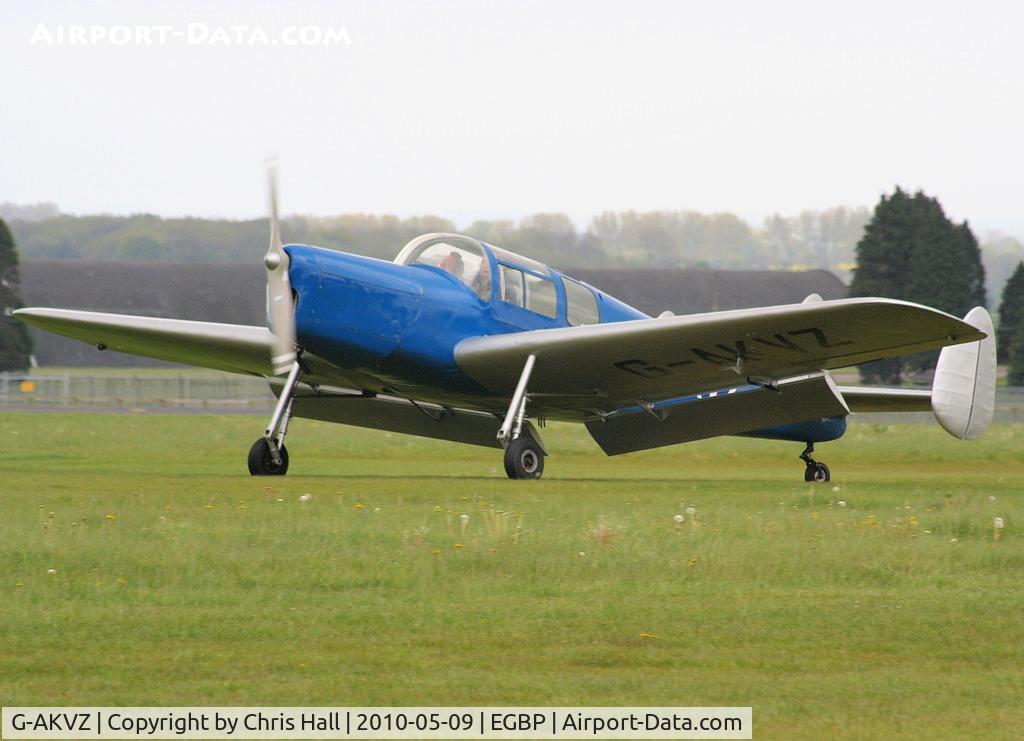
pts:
pixel 727 412
pixel 869 399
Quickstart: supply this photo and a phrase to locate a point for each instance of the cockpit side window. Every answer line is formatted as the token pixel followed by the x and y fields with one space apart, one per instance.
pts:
pixel 541 296
pixel 511 285
pixel 581 304
pixel 464 260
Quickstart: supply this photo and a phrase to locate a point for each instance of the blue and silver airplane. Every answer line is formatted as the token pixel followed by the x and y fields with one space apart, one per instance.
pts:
pixel 464 341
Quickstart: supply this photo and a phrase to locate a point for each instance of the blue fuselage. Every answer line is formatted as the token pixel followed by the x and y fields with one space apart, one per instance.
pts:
pixel 396 326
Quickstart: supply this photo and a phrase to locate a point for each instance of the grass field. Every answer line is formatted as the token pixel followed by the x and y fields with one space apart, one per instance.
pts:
pixel 878 606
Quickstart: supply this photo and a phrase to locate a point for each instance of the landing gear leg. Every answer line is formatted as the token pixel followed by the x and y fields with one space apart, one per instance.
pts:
pixel 524 456
pixel 815 471
pixel 268 455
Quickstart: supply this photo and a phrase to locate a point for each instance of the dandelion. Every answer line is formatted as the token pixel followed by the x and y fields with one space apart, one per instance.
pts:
pixel 692 562
pixel 439 509
pixel 646 636
pixel 121 580
pixel 110 516
pixel 841 503
pixel 464 498
pixel 678 519
pixel 360 505
pixel 242 505
pixel 954 540
pixel 436 552
pixel 51 571
pixel 458 546
pixel 583 554
pixel 19 583
pixel 279 499
pixel 210 506
pixel 305 497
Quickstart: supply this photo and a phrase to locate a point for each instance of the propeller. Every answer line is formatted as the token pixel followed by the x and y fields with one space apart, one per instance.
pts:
pixel 280 304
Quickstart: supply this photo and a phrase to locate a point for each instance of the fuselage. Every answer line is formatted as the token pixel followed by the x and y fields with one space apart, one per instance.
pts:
pixel 392 327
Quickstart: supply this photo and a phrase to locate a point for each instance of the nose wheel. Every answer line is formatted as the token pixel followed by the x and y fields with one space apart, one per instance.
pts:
pixel 261 459
pixel 815 471
pixel 268 456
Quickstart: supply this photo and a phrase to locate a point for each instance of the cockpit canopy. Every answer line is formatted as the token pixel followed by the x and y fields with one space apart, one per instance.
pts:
pixel 521 282
pixel 461 256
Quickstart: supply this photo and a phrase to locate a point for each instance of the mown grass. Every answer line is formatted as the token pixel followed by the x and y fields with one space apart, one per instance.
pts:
pixel 876 606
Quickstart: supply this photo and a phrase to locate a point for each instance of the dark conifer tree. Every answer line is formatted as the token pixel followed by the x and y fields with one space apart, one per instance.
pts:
pixel 912 251
pixel 883 256
pixel 1011 313
pixel 15 343
pixel 1015 357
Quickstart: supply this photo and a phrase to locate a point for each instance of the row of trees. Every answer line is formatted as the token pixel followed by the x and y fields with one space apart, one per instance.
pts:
pixel 813 239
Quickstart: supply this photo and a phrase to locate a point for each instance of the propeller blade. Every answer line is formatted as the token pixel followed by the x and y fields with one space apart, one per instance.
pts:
pixel 280 305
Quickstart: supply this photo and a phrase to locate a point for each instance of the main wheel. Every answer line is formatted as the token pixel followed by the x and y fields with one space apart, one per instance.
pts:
pixel 524 459
pixel 817 472
pixel 262 464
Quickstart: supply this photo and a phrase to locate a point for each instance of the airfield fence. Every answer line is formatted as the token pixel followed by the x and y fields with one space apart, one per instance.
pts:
pixel 185 393
pixel 172 392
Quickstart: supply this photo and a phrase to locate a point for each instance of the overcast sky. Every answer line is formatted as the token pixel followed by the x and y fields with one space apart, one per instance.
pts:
pixel 480 109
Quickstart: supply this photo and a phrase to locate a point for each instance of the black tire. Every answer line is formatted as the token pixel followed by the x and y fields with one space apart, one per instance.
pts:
pixel 260 462
pixel 524 459
pixel 817 473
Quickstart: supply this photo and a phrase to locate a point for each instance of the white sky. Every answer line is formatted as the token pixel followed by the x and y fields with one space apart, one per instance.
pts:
pixel 483 109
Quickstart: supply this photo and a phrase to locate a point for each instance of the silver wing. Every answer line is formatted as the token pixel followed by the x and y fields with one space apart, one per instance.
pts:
pixel 236 348
pixel 590 371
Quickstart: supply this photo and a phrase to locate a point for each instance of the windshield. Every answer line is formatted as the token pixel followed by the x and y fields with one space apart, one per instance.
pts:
pixel 460 256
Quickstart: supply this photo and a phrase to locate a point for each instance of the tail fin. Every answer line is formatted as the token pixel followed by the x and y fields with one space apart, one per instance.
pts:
pixel 964 387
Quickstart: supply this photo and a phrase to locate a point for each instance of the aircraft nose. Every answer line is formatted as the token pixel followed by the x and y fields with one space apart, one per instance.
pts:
pixel 303 269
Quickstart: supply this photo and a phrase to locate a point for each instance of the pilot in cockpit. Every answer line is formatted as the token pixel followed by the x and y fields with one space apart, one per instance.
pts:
pixel 482 280
pixel 452 263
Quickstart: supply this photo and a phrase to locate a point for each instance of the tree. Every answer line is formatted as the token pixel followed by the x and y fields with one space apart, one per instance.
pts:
pixel 1011 313
pixel 1015 356
pixel 912 251
pixel 883 254
pixel 15 343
